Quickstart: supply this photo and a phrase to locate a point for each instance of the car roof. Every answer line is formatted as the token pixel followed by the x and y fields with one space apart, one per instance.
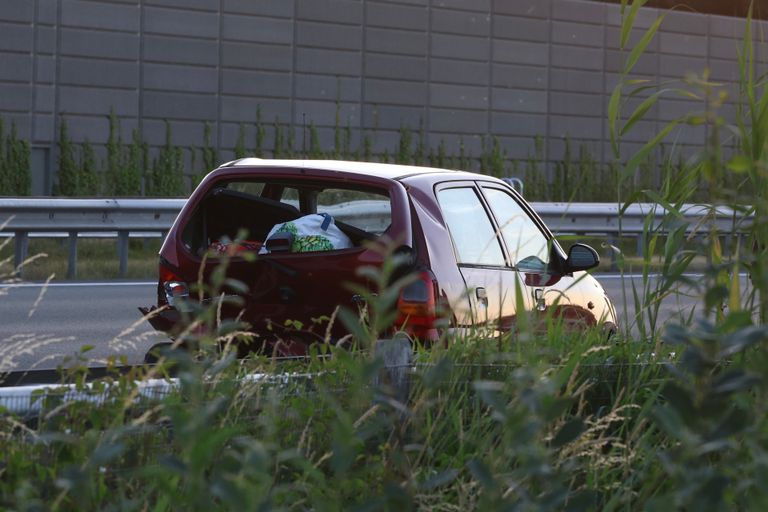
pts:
pixel 381 170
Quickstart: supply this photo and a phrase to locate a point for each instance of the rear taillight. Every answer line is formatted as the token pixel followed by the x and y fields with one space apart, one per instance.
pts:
pixel 172 289
pixel 417 307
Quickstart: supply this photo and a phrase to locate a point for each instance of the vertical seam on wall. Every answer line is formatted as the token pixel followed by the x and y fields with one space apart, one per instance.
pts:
pixel 363 54
pixel 428 80
pixel 547 124
pixel 657 36
pixel 604 86
pixel 34 72
pixel 706 53
pixel 294 53
pixel 491 39
pixel 220 79
pixel 140 88
pixel 57 73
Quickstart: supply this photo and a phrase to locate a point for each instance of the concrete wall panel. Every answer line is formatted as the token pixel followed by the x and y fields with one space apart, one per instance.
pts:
pixel 458 121
pixel 180 78
pixel 392 117
pixel 520 29
pixel 16 67
pixel 459 96
pixel 459 71
pixel 329 35
pixel 325 87
pixel 272 8
pixel 395 92
pixel 461 22
pixel 385 14
pixel 532 125
pixel 100 15
pixel 525 8
pixel 255 29
pixel 14 10
pixel 15 97
pixel 523 77
pixel 402 67
pixel 336 11
pixel 396 41
pixel 181 50
pixel 255 83
pixel 463 69
pixel 97 101
pixel 331 62
pixel 520 52
pixel 97 43
pixel 170 105
pixel 581 34
pixel 15 37
pixel 256 56
pixel 515 100
pixel 92 72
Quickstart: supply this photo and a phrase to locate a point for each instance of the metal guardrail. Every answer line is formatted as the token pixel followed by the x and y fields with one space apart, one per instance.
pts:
pixel 121 217
pixel 76 217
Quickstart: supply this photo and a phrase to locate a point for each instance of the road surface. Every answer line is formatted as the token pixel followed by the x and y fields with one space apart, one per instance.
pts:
pixel 42 332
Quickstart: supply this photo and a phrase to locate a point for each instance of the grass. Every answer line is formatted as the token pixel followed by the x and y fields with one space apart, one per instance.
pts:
pixel 97 259
pixel 529 420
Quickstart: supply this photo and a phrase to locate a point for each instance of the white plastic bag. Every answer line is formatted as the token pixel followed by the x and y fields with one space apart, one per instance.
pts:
pixel 315 232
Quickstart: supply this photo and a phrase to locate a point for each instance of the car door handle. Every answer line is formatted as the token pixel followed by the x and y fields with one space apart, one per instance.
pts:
pixel 482 296
pixel 538 296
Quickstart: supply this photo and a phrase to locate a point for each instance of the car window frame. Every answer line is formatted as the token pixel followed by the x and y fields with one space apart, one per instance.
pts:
pixel 399 231
pixel 472 185
pixel 556 251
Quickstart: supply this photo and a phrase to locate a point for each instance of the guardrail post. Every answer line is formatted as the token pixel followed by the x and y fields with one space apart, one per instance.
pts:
pixel 611 245
pixel 72 260
pixel 122 251
pixel 397 356
pixel 21 250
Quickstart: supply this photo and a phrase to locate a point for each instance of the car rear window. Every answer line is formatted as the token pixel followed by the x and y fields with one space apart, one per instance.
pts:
pixel 369 211
pixel 254 207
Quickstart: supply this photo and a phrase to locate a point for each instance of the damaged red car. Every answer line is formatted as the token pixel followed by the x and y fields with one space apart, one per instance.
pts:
pixel 478 251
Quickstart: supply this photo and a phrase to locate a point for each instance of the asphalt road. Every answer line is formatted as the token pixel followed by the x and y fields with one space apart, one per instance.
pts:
pixel 42 332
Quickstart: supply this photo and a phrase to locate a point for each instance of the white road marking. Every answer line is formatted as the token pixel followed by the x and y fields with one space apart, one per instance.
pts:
pixel 654 276
pixel 78 284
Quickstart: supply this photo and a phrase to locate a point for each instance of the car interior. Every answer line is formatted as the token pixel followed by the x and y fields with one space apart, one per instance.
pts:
pixel 228 211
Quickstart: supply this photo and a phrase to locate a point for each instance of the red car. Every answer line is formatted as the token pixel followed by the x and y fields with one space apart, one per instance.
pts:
pixel 471 240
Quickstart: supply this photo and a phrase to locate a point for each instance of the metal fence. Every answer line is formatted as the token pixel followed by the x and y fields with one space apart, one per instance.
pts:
pixel 122 218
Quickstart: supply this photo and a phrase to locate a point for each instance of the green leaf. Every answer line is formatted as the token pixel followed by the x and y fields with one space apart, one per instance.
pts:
pixel 613 116
pixel 734 381
pixel 741 340
pixel 628 22
pixel 639 112
pixel 482 474
pixel 643 153
pixel 641 45
pixel 352 322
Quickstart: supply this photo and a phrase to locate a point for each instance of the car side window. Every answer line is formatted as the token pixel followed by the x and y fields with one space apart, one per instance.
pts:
pixel 528 247
pixel 471 229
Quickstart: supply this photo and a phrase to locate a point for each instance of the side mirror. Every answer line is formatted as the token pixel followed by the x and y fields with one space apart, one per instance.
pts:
pixel 581 257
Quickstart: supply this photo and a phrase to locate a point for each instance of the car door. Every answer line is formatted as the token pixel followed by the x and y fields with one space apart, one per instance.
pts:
pixel 530 250
pixel 490 280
